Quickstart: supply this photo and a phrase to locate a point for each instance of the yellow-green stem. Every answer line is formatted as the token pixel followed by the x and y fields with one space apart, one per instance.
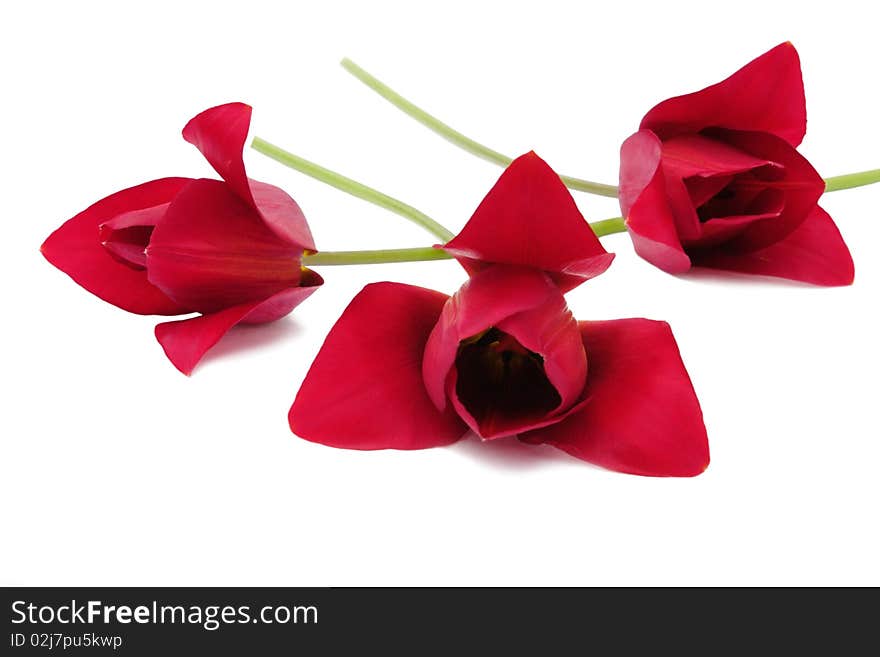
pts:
pixel 374 257
pixel 850 180
pixel 604 227
pixel 833 184
pixel 351 187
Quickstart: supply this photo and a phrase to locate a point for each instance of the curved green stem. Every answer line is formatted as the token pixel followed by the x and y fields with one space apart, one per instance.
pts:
pixel 454 136
pixel 851 180
pixel 375 257
pixel 352 187
pixel 604 227
pixel 464 142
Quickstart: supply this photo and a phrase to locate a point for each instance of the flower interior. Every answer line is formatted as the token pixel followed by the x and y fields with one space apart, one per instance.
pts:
pixel 501 383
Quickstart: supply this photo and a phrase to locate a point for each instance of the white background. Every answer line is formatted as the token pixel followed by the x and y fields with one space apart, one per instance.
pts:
pixel 118 470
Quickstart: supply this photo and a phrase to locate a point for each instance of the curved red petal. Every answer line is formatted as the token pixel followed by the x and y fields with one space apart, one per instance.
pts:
pixel 765 95
pixel 487 298
pixel 75 248
pixel 551 331
pixel 186 341
pixel 645 206
pixel 282 215
pixel 697 155
pixel 814 253
pixel 642 415
pixel 364 390
pixel 127 235
pixel 220 134
pixel 212 251
pixel 280 304
pixel 530 219
pixel 799 182
pixel 724 229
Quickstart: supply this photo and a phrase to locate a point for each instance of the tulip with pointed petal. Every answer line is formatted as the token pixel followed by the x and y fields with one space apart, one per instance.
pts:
pixel 228 249
pixel 712 179
pixel 409 368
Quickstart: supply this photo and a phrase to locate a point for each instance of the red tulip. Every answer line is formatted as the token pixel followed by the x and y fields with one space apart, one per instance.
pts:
pixel 411 368
pixel 228 249
pixel 712 179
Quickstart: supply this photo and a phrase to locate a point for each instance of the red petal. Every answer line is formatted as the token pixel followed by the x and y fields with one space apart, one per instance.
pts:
pixel 364 390
pixel 642 415
pixel 529 218
pixel 75 248
pixel 645 206
pixel 718 231
pixel 695 155
pixel 220 134
pixel 814 253
pixel 799 182
pixel 282 215
pixel 127 235
pixel 551 331
pixel 766 95
pixel 699 158
pixel 279 305
pixel 212 251
pixel 186 341
pixel 483 301
pixel 684 214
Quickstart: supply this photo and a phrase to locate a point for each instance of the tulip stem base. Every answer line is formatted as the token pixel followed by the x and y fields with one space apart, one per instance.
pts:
pixel 325 258
pixel 351 187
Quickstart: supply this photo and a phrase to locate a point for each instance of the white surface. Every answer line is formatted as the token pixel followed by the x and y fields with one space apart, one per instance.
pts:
pixel 116 469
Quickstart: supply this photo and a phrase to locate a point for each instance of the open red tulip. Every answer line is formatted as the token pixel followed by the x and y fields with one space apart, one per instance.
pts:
pixel 713 179
pixel 410 368
pixel 230 250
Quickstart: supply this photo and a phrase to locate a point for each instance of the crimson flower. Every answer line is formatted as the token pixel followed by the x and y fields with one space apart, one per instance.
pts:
pixel 712 179
pixel 410 368
pixel 229 249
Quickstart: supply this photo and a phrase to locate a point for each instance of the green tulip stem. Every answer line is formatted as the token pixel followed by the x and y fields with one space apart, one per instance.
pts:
pixel 604 227
pixel 352 187
pixel 454 136
pixel 850 180
pixel 608 226
pixel 380 256
pixel 464 142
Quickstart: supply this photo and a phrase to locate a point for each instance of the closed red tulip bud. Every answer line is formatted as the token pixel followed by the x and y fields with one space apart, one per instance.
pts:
pixel 229 249
pixel 713 179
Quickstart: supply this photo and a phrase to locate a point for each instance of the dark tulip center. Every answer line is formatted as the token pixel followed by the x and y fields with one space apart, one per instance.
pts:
pixel 501 383
pixel 749 193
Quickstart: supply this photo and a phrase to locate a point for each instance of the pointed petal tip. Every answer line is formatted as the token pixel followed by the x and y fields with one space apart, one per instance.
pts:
pixel 529 218
pixel 182 364
pixel 75 249
pixel 813 253
pixel 237 107
pixel 740 102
